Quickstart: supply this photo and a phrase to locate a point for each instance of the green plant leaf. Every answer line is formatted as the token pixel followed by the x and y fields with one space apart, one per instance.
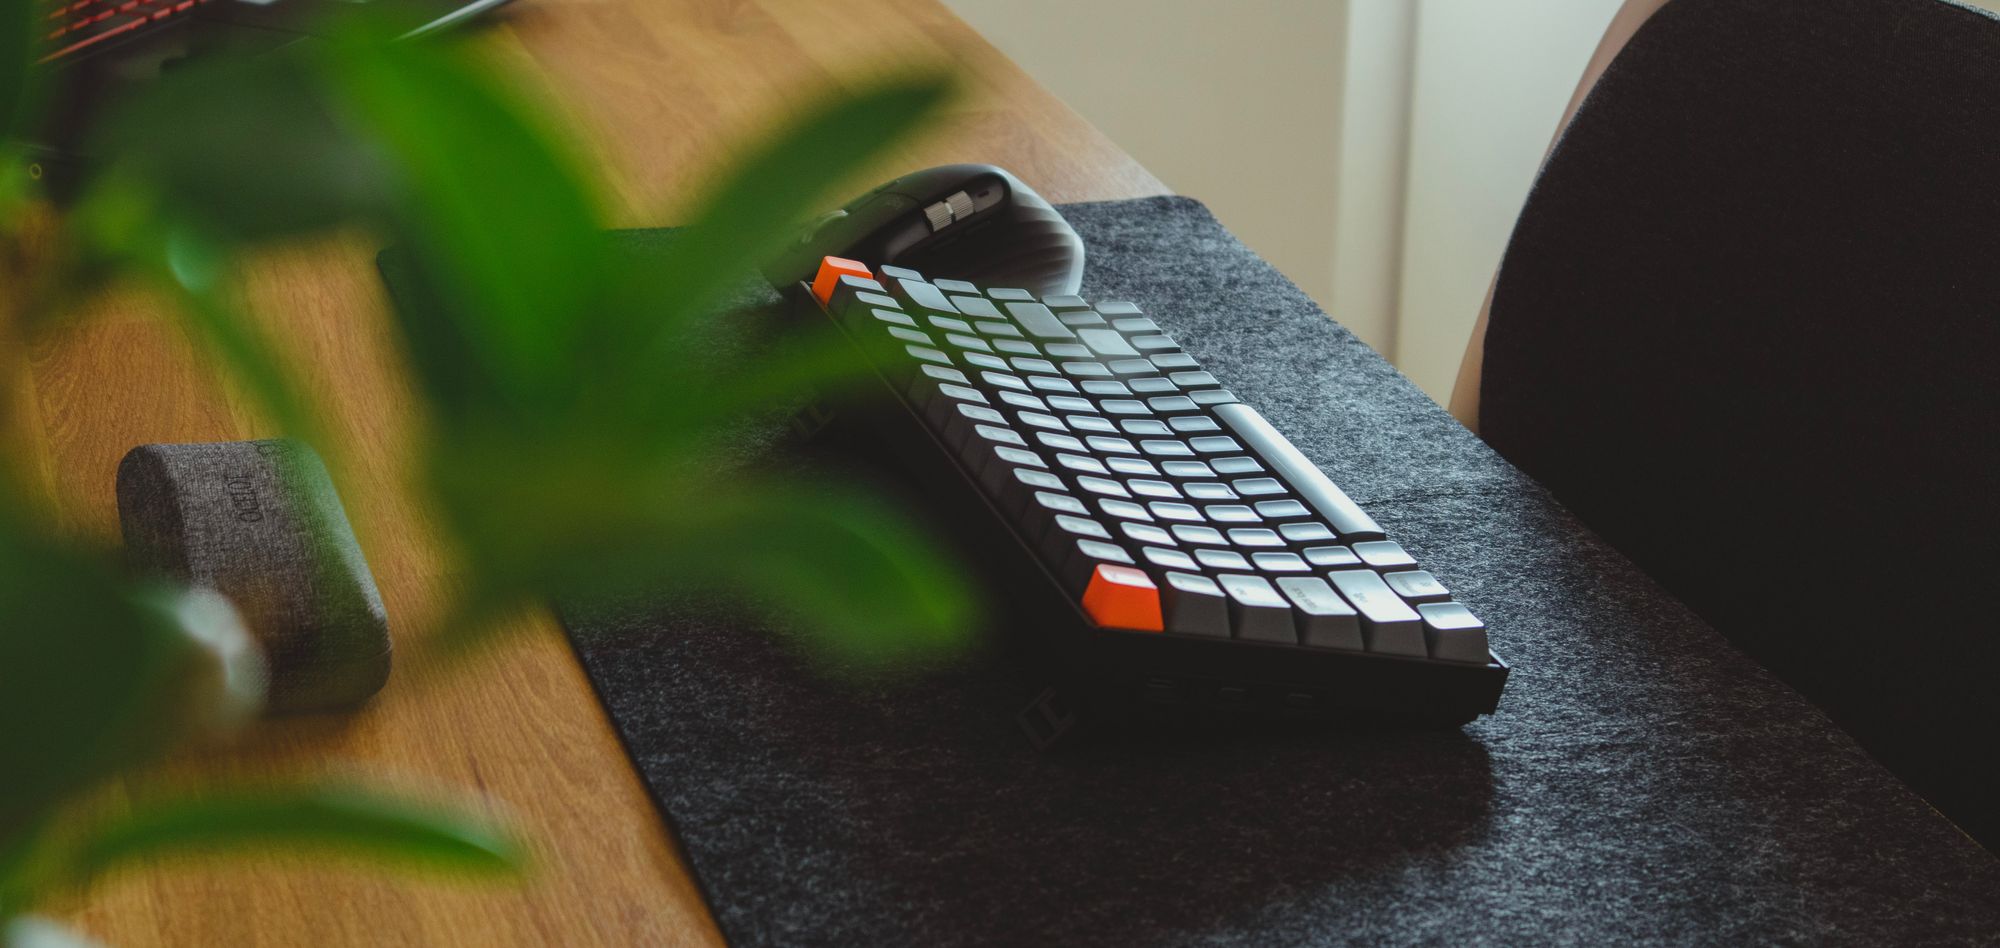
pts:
pixel 864 583
pixel 246 149
pixel 124 222
pixel 756 208
pixel 350 821
pixel 96 673
pixel 496 218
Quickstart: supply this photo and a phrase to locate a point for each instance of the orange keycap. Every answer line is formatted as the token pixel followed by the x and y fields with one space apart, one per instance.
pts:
pixel 1120 597
pixel 831 269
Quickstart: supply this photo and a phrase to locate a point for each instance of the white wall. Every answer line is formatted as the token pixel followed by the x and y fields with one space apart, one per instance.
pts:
pixel 1234 102
pixel 1376 151
pixel 1491 82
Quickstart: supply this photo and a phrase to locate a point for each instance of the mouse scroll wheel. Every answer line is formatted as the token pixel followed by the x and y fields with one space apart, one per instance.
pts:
pixel 956 207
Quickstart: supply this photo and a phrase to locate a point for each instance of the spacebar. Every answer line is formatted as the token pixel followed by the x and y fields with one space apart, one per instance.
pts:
pixel 1341 513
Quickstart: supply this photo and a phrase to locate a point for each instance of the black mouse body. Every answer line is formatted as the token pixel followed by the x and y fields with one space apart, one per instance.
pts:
pixel 976 223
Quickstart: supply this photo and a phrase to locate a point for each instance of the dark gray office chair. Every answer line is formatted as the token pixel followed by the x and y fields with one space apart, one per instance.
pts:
pixel 1748 329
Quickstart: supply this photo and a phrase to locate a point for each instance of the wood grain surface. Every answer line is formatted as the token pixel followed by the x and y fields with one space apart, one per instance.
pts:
pixel 657 90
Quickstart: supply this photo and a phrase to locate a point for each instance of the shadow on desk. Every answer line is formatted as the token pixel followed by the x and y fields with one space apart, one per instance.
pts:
pixel 851 809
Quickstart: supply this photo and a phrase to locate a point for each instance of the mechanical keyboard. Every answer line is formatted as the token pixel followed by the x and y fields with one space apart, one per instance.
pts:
pixel 1178 549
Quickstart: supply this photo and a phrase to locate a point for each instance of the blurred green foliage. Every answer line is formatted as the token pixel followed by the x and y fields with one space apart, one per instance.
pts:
pixel 578 406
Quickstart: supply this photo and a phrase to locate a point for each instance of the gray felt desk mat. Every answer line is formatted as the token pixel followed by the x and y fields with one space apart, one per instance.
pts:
pixel 1642 781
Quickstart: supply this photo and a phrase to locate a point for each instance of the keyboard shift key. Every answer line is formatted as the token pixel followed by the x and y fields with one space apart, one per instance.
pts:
pixel 1453 632
pixel 1388 624
pixel 1256 611
pixel 1195 605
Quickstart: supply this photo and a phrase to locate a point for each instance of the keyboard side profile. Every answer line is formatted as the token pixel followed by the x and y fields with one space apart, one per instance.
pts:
pixel 1171 548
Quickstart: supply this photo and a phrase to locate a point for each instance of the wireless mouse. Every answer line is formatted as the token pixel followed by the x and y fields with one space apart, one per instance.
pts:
pixel 976 223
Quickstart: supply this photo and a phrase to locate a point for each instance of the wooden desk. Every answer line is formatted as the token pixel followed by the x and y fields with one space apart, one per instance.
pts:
pixel 656 87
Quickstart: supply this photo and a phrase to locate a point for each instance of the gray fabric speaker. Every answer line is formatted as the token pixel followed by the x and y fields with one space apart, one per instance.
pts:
pixel 260 522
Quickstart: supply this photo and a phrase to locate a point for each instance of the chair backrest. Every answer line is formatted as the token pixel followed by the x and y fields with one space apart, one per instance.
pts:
pixel 1748 329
